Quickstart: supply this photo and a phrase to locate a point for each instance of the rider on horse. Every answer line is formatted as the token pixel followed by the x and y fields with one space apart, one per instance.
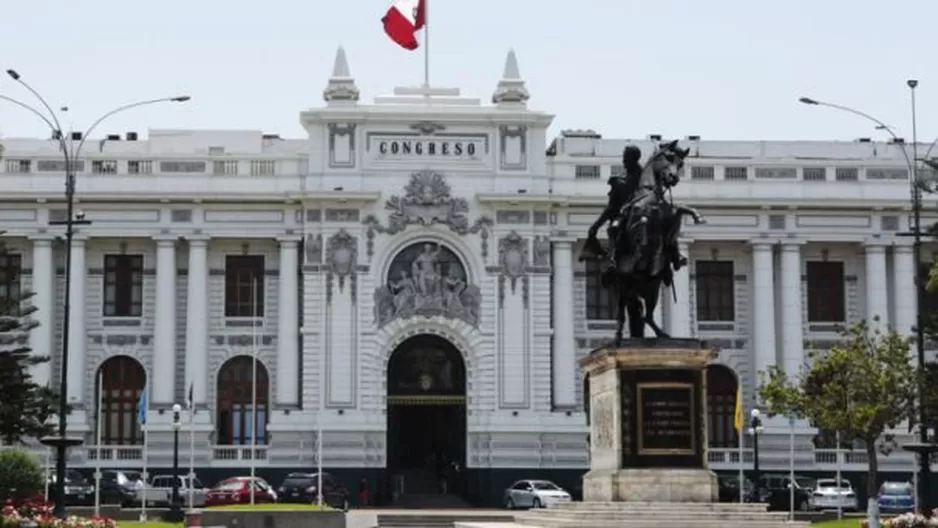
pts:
pixel 626 195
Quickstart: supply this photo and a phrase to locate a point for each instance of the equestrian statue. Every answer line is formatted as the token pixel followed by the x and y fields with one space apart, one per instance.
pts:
pixel 643 228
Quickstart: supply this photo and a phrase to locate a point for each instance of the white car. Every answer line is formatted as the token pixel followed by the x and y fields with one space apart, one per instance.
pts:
pixel 534 494
pixel 829 496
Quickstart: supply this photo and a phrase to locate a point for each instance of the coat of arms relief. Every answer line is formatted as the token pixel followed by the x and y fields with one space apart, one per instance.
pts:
pixel 427 279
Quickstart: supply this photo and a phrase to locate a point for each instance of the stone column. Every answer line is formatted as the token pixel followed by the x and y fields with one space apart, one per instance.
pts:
pixel 679 311
pixel 164 325
pixel 288 324
pixel 197 319
pixel 41 338
pixel 903 272
pixel 564 358
pixel 877 292
pixel 77 331
pixel 763 305
pixel 792 323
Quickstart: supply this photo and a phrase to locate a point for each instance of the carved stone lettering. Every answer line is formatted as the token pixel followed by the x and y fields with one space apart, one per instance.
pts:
pixel 666 424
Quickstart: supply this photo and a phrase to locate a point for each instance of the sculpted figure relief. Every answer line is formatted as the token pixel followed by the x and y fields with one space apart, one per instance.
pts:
pixel 643 228
pixel 427 280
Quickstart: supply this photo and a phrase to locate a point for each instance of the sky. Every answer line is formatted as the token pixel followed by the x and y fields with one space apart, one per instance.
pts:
pixel 720 69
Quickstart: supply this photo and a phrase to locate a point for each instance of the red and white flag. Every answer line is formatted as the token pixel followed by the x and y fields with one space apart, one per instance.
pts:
pixel 403 20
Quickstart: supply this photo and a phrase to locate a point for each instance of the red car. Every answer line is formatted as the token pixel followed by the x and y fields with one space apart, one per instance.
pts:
pixel 237 490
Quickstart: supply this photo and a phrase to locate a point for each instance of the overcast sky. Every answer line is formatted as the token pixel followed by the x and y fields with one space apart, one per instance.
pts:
pixel 721 69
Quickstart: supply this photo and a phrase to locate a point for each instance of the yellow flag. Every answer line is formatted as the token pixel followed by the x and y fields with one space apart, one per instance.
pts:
pixel 739 408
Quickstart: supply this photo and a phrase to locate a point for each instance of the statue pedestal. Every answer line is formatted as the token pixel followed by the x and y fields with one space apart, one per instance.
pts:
pixel 648 423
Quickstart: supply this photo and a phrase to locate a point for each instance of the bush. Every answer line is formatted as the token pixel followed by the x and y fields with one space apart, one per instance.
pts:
pixel 21 475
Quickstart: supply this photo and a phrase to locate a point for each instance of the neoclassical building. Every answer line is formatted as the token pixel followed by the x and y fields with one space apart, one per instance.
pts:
pixel 406 277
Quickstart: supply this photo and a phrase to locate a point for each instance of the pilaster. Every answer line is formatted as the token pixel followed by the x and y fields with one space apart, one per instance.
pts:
pixel 77 327
pixel 41 338
pixel 197 320
pixel 763 312
pixel 163 383
pixel 877 293
pixel 792 297
pixel 564 357
pixel 903 272
pixel 288 327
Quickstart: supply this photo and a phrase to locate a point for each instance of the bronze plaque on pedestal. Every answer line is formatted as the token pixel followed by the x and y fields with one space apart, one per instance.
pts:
pixel 666 418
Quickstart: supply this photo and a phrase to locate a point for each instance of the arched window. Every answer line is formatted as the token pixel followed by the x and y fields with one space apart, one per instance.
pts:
pixel 123 379
pixel 236 418
pixel 721 407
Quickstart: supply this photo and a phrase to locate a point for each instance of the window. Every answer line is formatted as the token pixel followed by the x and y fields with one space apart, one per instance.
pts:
pixel 235 394
pixel 11 267
pixel 702 172
pixel 587 172
pixel 244 286
pixel 736 173
pixel 263 167
pixel 225 168
pixel 104 167
pixel 18 165
pixel 600 302
pixel 140 167
pixel 182 166
pixel 123 380
pixel 721 407
pixel 123 285
pixel 814 174
pixel 846 174
pixel 826 292
pixel 716 291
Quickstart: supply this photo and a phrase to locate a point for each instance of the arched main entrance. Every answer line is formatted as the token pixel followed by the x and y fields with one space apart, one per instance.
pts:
pixel 721 407
pixel 426 418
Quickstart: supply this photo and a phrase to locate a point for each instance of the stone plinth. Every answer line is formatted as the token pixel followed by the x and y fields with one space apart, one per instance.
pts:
pixel 648 426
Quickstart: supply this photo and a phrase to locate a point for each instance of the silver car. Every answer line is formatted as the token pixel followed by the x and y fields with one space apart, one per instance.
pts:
pixel 534 494
pixel 829 496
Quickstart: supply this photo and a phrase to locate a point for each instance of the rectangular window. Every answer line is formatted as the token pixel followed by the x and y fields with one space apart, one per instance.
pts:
pixel 104 167
pixel 716 291
pixel 139 167
pixel 826 292
pixel 123 285
pixel 586 172
pixel 600 302
pixel 244 286
pixel 736 173
pixel 18 165
pixel 11 269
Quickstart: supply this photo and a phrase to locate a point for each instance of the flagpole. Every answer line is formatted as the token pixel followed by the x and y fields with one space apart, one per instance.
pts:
pixel 426 46
pixel 97 467
pixel 191 448
pixel 742 476
pixel 143 427
pixel 253 381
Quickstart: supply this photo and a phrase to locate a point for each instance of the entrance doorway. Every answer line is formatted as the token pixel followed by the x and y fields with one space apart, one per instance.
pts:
pixel 426 420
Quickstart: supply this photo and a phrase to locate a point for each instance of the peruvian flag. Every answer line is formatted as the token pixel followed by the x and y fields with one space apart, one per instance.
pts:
pixel 403 20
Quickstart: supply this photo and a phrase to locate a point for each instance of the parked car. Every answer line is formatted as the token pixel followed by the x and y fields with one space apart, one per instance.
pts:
pixel 773 489
pixel 160 491
pixel 729 488
pixel 896 497
pixel 237 490
pixel 534 494
pixel 120 487
pixel 78 490
pixel 301 488
pixel 829 495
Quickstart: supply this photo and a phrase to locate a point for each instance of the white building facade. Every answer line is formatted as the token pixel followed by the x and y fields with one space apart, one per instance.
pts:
pixel 407 279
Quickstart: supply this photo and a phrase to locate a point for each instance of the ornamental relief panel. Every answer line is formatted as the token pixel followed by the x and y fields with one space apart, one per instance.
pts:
pixel 427 279
pixel 427 200
pixel 341 262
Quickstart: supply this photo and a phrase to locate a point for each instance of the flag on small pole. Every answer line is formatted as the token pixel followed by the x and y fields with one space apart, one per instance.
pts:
pixel 99 425
pixel 190 405
pixel 738 423
pixel 142 405
pixel 402 22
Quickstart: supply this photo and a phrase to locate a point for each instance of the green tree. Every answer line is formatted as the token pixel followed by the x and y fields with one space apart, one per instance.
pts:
pixel 861 387
pixel 21 474
pixel 25 406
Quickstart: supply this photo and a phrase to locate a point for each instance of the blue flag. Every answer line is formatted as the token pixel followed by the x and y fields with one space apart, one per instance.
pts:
pixel 142 407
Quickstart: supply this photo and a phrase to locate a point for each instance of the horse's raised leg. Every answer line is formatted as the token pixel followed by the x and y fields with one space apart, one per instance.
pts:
pixel 636 319
pixel 650 299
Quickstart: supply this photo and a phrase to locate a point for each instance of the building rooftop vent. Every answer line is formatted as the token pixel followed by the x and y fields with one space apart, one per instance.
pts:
pixel 581 133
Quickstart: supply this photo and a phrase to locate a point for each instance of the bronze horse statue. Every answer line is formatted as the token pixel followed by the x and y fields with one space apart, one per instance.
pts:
pixel 642 251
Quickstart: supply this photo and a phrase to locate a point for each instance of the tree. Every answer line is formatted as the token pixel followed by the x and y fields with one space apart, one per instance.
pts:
pixel 21 475
pixel 25 406
pixel 861 387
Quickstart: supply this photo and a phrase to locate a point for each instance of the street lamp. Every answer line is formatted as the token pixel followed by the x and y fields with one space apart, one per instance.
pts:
pixel 71 152
pixel 175 515
pixel 923 447
pixel 755 427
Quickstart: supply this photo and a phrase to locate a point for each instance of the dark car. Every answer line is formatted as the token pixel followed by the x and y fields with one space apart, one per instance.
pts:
pixel 729 488
pixel 301 488
pixel 78 490
pixel 896 497
pixel 774 490
pixel 120 487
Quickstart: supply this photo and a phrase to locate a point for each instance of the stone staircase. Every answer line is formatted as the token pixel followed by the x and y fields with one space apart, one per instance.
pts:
pixel 440 519
pixel 648 515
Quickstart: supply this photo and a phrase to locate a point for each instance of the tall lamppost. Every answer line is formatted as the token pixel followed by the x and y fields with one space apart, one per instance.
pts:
pixel 175 515
pixel 71 152
pixel 755 428
pixel 923 447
